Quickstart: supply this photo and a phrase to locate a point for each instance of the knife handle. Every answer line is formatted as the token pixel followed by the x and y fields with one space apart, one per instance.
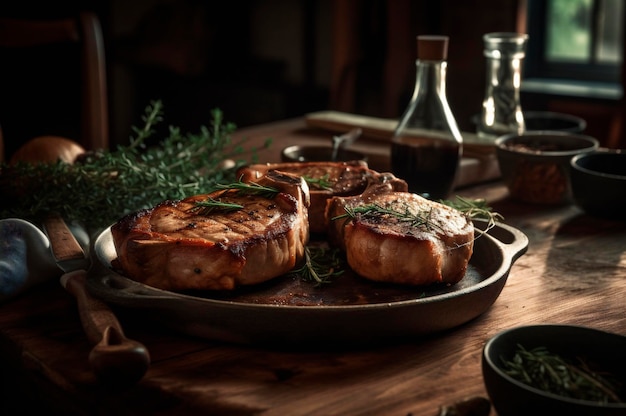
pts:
pixel 114 357
pixel 62 242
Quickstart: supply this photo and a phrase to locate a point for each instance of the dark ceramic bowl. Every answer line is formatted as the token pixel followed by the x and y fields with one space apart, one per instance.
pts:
pixel 535 165
pixel 511 397
pixel 599 183
pixel 548 120
pixel 300 153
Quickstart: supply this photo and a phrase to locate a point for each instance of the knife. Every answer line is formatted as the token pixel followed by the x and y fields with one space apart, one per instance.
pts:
pixel 114 358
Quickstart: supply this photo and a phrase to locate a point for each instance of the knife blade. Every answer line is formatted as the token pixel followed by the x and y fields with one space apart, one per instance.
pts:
pixel 114 357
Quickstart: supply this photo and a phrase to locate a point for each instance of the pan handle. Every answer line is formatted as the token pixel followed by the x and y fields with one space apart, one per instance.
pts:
pixel 512 241
pixel 112 287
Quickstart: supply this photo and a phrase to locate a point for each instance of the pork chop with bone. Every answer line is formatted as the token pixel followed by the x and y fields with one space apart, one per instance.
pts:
pixel 325 179
pixel 195 243
pixel 400 237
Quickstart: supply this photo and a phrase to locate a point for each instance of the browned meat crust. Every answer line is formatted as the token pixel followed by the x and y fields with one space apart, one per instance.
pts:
pixel 420 242
pixel 174 246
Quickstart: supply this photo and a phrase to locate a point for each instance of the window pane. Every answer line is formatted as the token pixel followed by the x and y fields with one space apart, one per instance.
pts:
pixel 568 29
pixel 609 48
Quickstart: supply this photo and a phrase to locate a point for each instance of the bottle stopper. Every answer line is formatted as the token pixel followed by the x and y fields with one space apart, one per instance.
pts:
pixel 432 47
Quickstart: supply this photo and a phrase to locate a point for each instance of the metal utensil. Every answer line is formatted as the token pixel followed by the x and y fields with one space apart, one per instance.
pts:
pixel 472 406
pixel 344 140
pixel 114 358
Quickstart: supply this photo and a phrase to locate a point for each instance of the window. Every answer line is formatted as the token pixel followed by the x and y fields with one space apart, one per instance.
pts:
pixel 576 42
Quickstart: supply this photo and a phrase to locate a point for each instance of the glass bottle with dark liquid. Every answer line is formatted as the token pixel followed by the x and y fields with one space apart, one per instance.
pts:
pixel 426 145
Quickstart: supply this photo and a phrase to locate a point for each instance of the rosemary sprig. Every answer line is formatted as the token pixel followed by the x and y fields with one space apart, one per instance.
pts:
pixel 544 370
pixel 319 183
pixel 374 211
pixel 422 218
pixel 101 187
pixel 321 264
pixel 252 188
pixel 210 205
pixel 475 208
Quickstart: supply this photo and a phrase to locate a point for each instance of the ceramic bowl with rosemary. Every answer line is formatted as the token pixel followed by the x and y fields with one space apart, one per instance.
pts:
pixel 556 370
pixel 535 165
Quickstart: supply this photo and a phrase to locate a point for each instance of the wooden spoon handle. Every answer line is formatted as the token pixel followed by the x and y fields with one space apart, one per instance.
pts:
pixel 95 315
pixel 114 357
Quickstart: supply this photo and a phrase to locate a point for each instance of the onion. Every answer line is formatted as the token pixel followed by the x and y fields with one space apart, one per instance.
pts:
pixel 47 149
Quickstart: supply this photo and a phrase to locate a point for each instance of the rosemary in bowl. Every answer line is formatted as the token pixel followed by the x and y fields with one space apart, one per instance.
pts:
pixel 551 372
pixel 555 369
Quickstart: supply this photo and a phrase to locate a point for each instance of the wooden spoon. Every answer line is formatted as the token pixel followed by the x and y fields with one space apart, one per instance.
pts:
pixel 113 358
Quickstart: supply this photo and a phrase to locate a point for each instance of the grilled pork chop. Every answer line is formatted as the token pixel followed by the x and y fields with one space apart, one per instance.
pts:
pixel 325 179
pixel 184 244
pixel 400 237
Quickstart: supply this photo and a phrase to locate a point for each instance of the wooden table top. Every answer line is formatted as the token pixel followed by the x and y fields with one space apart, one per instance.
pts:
pixel 574 272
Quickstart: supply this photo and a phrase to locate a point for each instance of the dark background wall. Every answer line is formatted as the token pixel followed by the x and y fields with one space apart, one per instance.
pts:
pixel 265 60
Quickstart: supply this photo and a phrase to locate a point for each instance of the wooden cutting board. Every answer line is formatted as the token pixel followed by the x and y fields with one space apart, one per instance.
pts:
pixel 479 163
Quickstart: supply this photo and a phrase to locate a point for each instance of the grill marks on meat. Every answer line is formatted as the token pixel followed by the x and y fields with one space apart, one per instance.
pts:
pixel 425 242
pixel 340 178
pixel 175 246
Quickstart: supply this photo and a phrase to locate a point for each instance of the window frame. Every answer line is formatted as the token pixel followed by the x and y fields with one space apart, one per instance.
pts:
pixel 536 66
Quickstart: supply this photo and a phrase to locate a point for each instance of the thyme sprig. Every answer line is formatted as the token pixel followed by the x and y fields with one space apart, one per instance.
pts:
pixel 321 265
pixel 550 372
pixel 322 182
pixel 104 185
pixel 210 205
pixel 251 188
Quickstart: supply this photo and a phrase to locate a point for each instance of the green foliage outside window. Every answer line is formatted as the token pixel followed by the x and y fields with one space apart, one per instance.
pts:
pixel 568 30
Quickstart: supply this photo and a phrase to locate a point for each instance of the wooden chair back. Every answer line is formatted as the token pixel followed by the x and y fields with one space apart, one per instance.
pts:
pixel 86 31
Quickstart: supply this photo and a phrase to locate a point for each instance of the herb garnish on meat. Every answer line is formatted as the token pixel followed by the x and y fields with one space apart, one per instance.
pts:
pixel 319 183
pixel 321 264
pixel 211 205
pixel 251 188
pixel 471 208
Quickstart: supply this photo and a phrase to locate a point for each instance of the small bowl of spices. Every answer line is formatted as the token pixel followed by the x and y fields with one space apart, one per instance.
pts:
pixel 535 166
pixel 556 370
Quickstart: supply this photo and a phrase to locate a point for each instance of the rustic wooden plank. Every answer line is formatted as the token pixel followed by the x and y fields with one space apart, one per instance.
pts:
pixel 573 272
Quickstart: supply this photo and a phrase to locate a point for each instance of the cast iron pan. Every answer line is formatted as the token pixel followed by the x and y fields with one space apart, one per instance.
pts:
pixel 350 310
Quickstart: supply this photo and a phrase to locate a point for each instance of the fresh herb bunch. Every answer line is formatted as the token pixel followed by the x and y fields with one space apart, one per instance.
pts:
pixel 550 372
pixel 102 186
